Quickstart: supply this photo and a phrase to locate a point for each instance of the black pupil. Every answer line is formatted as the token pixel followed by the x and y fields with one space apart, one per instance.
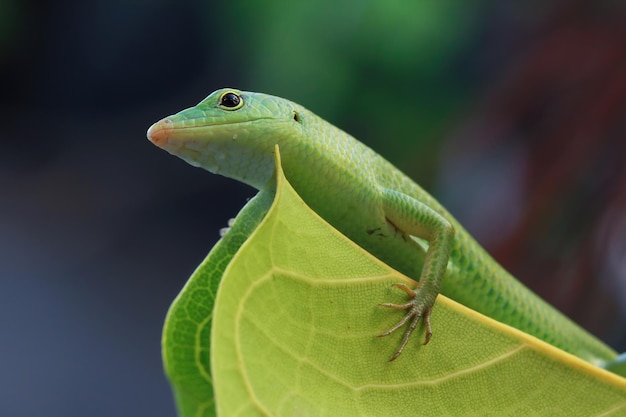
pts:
pixel 230 100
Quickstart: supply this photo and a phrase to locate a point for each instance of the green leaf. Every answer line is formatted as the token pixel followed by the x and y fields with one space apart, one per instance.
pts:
pixel 294 328
pixel 187 330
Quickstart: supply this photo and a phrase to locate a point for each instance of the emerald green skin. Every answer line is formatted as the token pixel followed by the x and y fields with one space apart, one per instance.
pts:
pixel 369 200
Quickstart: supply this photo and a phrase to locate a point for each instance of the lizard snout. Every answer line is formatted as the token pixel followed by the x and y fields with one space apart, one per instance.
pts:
pixel 159 132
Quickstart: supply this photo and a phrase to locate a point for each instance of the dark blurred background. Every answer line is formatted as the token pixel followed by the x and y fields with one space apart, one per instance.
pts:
pixel 513 114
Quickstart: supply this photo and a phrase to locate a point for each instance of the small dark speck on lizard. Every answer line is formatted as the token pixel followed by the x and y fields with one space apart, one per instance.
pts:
pixel 397 229
pixel 376 232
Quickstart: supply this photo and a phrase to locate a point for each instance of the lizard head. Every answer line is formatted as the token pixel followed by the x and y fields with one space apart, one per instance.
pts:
pixel 232 133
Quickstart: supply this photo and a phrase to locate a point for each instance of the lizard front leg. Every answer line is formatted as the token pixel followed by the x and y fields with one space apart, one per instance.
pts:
pixel 417 219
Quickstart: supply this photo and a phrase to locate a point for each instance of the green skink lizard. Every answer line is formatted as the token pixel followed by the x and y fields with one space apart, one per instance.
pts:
pixel 233 133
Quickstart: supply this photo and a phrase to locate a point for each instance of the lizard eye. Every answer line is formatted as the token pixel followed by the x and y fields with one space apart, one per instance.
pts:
pixel 230 101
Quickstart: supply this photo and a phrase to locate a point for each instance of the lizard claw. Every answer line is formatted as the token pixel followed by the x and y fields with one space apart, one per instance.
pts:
pixel 416 311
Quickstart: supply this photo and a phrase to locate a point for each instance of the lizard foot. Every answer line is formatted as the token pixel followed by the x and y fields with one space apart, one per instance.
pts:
pixel 416 310
pixel 225 230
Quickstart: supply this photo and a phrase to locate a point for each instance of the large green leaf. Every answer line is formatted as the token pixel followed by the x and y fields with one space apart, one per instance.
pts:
pixel 294 326
pixel 186 334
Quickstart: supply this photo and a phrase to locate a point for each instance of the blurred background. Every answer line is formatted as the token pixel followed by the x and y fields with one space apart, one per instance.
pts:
pixel 513 114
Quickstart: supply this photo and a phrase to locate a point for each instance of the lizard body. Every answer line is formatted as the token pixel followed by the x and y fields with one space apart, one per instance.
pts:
pixel 233 133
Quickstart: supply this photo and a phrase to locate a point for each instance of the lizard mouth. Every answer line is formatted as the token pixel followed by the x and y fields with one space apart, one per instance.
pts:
pixel 160 132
